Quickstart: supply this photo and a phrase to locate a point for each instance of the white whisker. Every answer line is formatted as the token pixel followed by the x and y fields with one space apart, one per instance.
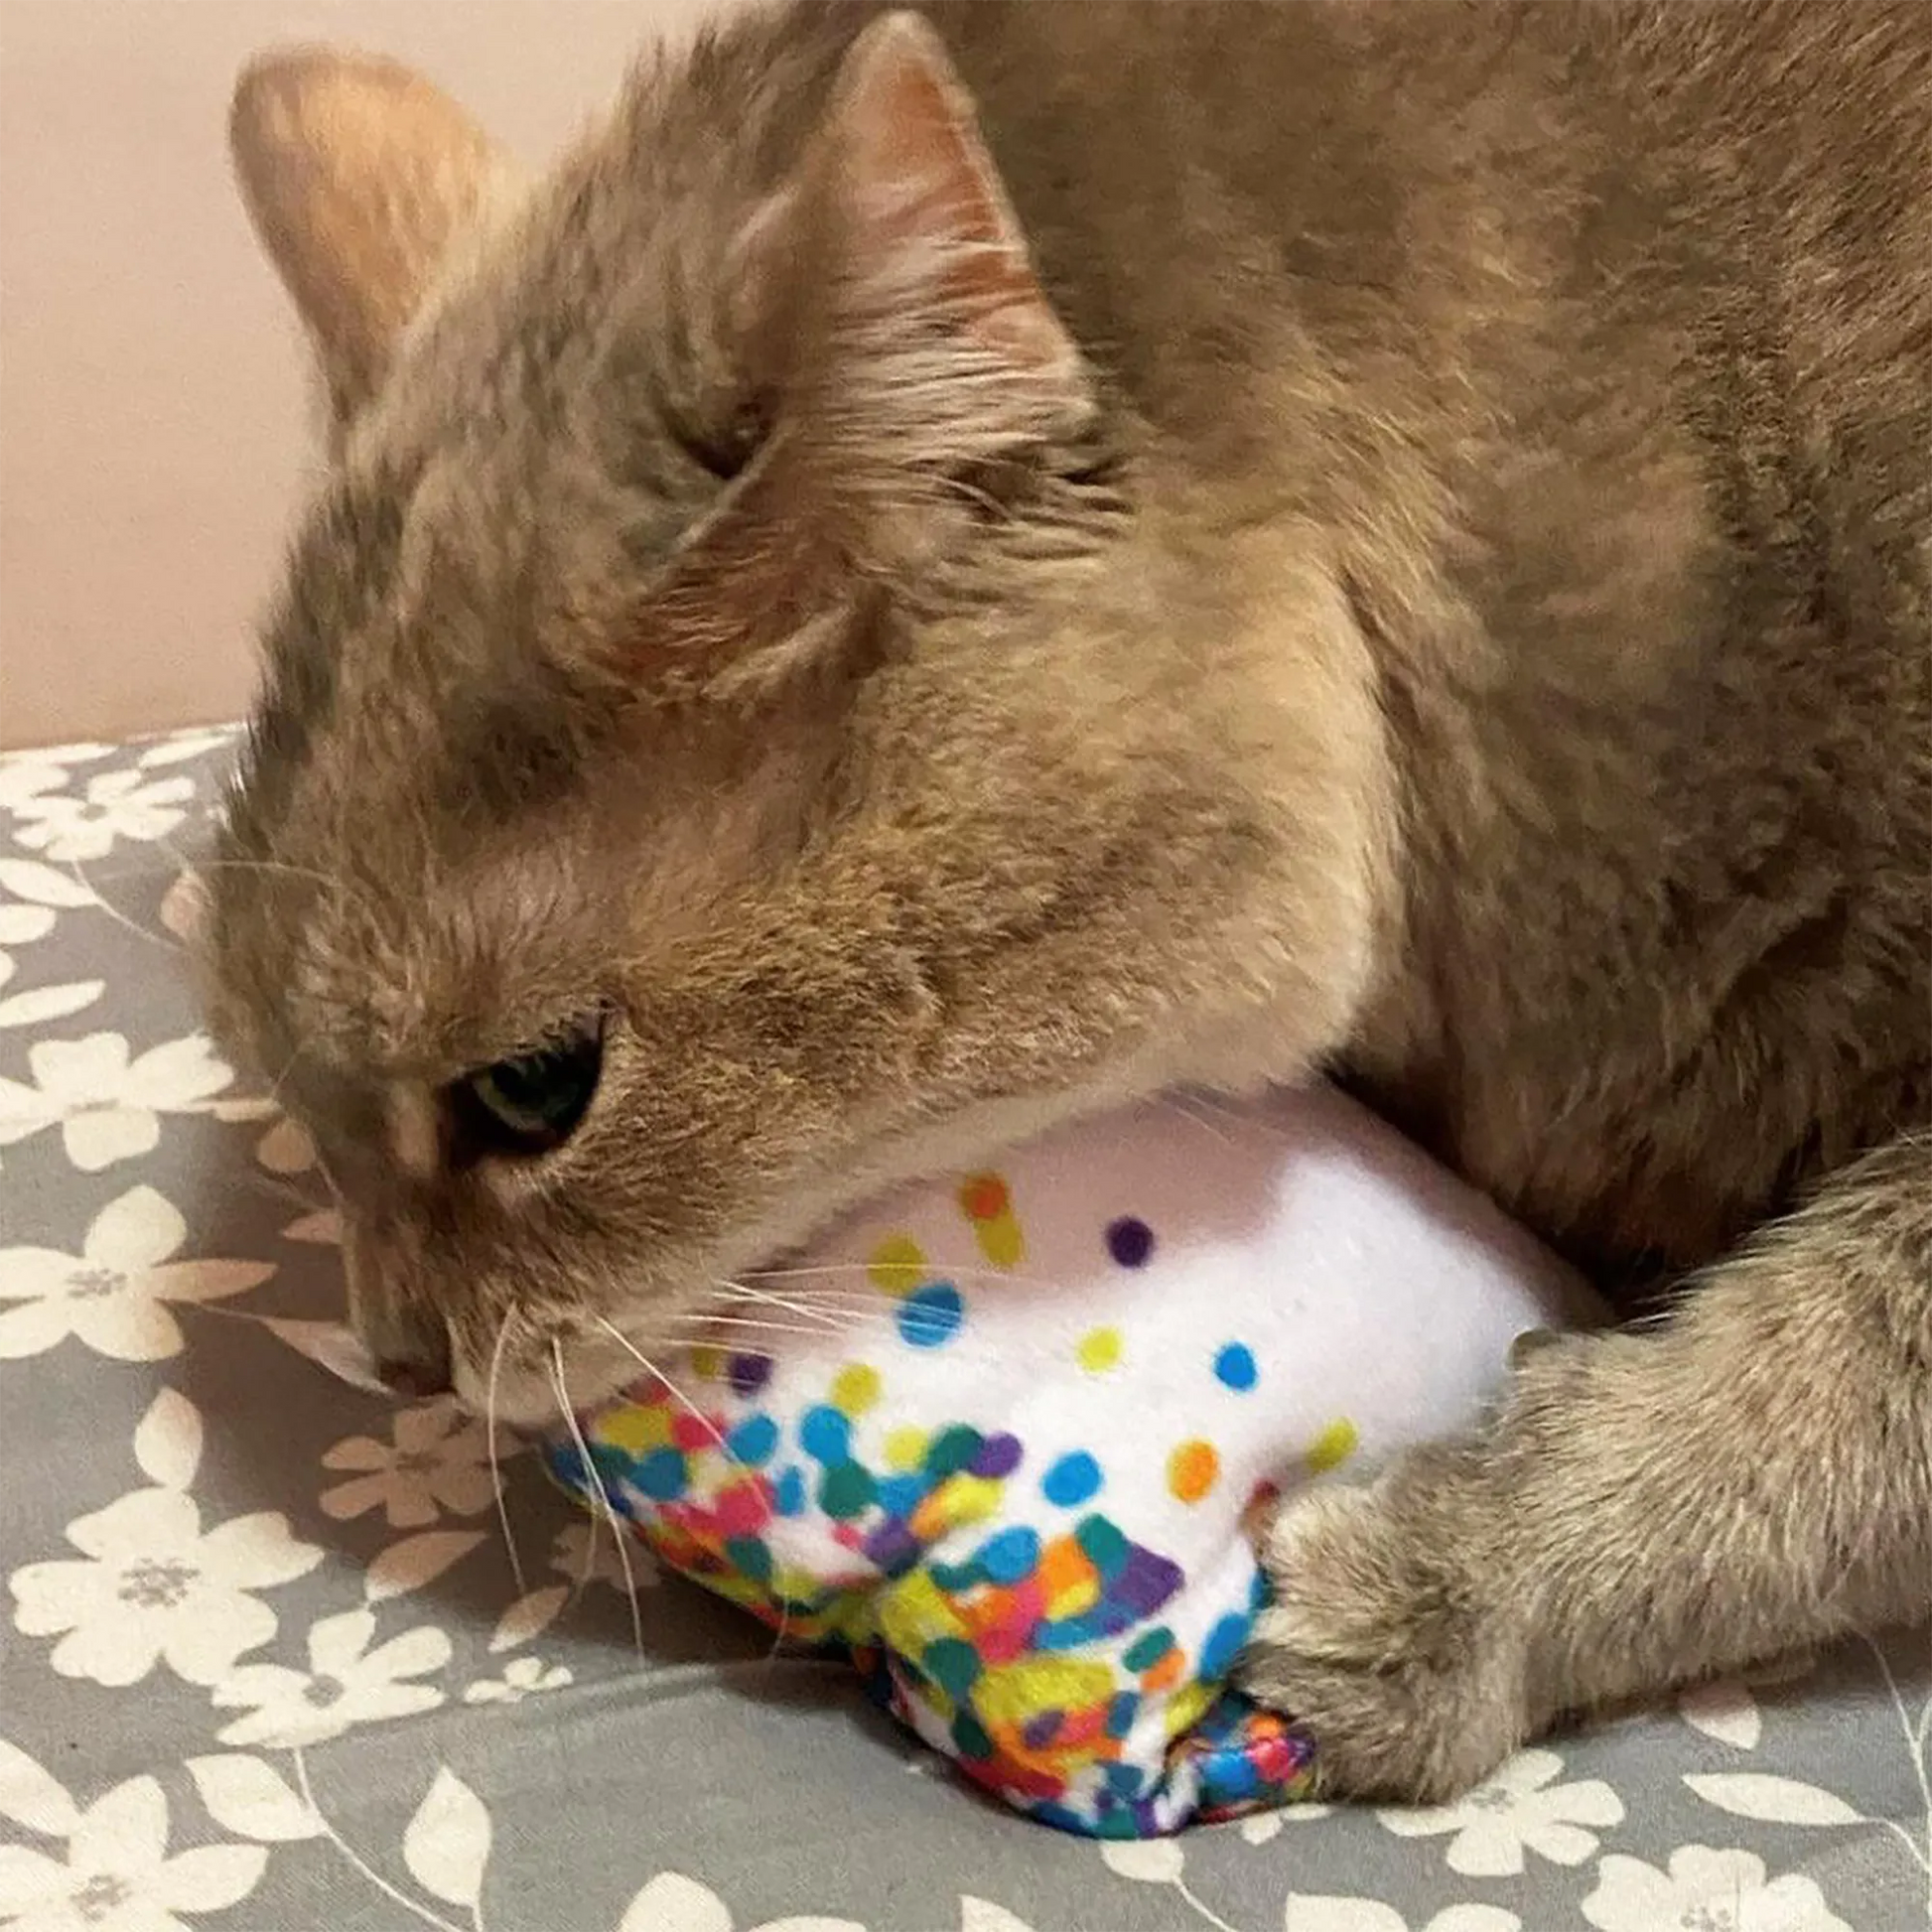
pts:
pixel 594 1476
pixel 1176 1104
pixel 747 1332
pixel 738 1291
pixel 933 1270
pixel 495 1460
pixel 115 913
pixel 618 1336
pixel 733 1327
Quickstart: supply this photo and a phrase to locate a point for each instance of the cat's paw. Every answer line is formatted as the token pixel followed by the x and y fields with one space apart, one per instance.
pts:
pixel 1390 1636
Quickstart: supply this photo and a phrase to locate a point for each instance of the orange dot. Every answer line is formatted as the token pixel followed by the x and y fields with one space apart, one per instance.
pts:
pixel 1165 1671
pixel 1192 1470
pixel 984 1197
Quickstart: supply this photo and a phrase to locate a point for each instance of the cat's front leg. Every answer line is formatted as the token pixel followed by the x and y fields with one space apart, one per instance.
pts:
pixel 1752 1475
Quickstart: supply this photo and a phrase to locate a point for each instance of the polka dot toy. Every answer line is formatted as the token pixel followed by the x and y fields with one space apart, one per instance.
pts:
pixel 1015 1444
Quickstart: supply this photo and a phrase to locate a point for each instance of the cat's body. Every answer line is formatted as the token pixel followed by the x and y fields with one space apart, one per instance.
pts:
pixel 1431 580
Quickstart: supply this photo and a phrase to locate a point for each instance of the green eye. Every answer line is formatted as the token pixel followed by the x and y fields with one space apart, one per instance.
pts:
pixel 533 1103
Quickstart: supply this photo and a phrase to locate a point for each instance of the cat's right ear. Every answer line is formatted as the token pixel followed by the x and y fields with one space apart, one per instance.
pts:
pixel 358 174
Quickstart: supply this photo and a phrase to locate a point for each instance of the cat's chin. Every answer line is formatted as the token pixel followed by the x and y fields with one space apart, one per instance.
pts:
pixel 541 1398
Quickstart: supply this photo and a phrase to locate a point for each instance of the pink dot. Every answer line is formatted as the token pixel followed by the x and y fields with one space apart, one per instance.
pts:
pixel 689 1432
pixel 745 1508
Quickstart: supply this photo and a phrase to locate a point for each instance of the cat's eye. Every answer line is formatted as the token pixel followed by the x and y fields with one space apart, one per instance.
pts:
pixel 725 447
pixel 531 1103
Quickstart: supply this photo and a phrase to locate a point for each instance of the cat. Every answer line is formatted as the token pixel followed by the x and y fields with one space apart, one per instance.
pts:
pixel 946 567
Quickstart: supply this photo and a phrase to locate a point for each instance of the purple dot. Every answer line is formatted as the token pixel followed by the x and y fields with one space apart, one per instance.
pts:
pixel 999 1455
pixel 749 1373
pixel 1042 1728
pixel 1130 1240
pixel 892 1547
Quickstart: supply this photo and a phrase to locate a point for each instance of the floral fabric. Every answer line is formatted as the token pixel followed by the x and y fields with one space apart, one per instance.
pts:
pixel 267 1663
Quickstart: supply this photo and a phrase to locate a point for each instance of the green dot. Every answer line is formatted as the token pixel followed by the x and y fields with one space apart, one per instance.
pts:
pixel 1146 1651
pixel 969 1737
pixel 952 1450
pixel 952 1664
pixel 1103 1545
pixel 845 1491
pixel 750 1557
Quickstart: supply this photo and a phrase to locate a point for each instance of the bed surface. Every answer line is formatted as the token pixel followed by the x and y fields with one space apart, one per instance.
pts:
pixel 265 1664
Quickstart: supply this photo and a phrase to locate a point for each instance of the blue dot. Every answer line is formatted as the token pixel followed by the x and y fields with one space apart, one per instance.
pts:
pixel 1235 1365
pixel 660 1475
pixel 1222 1647
pixel 1072 1479
pixel 901 1495
pixel 788 1492
pixel 752 1441
pixel 931 1316
pixel 826 1433
pixel 1010 1556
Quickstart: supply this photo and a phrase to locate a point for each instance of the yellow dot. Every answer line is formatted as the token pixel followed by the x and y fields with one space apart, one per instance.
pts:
pixel 1188 1707
pixel 970 1499
pixel 708 1363
pixel 1001 1241
pixel 1333 1446
pixel 898 1264
pixel 855 1387
pixel 634 1429
pixel 906 1448
pixel 959 1500
pixel 1099 1351
pixel 1192 1469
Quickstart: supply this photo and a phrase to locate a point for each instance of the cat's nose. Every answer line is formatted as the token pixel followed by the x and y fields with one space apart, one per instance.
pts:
pixel 416 1381
pixel 418 1364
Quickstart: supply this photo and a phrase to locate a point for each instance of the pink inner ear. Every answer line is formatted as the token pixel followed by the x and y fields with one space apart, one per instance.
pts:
pixel 923 185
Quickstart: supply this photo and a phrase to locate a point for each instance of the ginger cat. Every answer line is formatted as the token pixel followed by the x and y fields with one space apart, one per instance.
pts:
pixel 945 567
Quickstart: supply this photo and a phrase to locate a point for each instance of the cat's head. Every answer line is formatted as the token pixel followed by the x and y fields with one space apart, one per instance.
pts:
pixel 675 805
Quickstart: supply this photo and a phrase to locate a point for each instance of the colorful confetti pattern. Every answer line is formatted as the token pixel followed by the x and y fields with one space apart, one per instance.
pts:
pixel 988 1587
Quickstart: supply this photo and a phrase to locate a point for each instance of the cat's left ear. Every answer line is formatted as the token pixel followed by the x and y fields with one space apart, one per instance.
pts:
pixel 928 246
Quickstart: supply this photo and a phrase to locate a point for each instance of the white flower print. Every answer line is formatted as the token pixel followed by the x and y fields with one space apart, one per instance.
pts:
pixel 522 1677
pixel 176 747
pixel 437 1464
pixel 347 1683
pixel 1520 1809
pixel 286 1147
pixel 108 1105
pixel 114 1295
pixel 1310 1913
pixel 116 805
pixel 117 1875
pixel 1705 1890
pixel 586 1552
pixel 27 777
pixel 20 925
pixel 155 1587
pixel 671 1902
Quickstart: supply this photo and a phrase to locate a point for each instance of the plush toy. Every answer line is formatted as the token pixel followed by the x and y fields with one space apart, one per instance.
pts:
pixel 1007 1439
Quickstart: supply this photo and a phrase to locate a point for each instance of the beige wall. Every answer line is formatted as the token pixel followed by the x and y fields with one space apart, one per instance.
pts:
pixel 154 412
